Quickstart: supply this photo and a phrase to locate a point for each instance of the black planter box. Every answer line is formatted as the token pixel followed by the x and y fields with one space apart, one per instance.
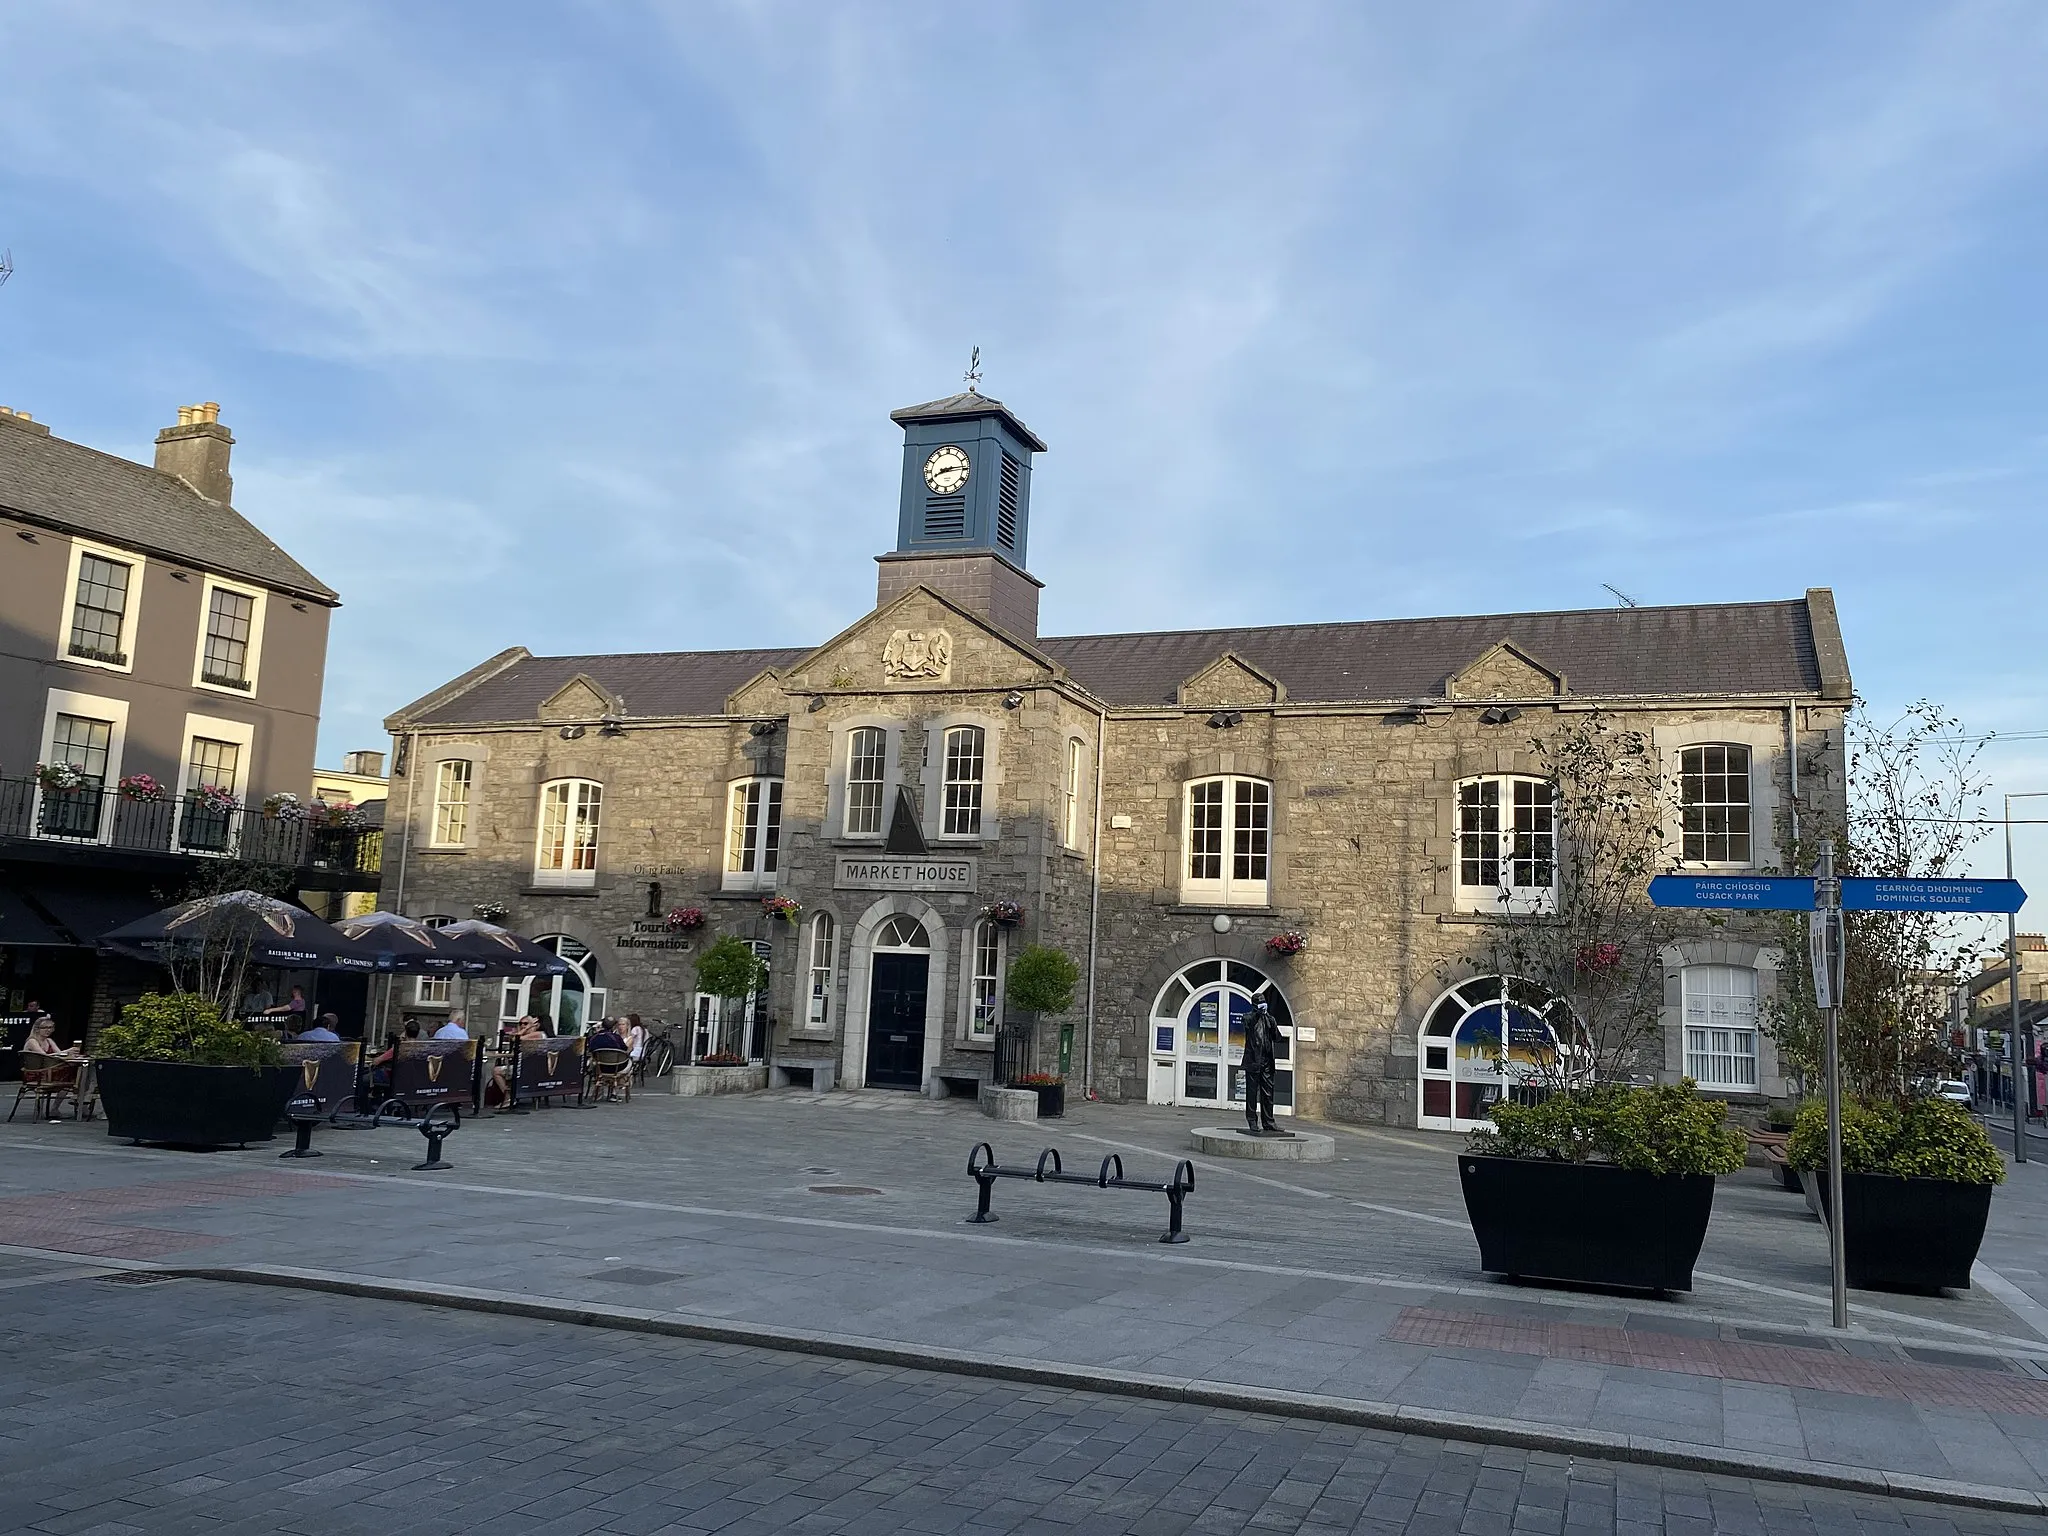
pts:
pixel 1052 1101
pixel 1587 1223
pixel 1906 1234
pixel 193 1106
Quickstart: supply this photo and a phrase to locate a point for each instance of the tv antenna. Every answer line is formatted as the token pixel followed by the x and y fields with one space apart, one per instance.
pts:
pixel 973 374
pixel 1622 597
pixel 6 265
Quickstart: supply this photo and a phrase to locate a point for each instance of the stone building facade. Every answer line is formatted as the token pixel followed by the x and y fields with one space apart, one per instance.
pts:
pixel 1159 806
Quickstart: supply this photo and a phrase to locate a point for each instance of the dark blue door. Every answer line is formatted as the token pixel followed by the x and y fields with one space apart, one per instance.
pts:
pixel 896 1021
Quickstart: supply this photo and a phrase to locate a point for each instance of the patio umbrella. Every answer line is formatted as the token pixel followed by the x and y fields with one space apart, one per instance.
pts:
pixel 275 932
pixel 402 946
pixel 485 949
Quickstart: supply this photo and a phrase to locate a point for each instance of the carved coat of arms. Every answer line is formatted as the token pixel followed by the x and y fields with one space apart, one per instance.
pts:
pixel 918 653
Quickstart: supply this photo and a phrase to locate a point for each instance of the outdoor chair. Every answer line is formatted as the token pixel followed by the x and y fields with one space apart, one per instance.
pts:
pixel 611 1072
pixel 51 1085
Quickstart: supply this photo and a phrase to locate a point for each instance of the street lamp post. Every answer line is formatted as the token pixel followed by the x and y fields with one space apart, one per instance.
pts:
pixel 2012 984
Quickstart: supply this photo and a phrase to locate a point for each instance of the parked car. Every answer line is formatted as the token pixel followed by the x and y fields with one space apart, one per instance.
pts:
pixel 1953 1089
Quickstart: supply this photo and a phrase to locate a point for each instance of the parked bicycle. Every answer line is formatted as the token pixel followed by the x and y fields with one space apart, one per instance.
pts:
pixel 659 1058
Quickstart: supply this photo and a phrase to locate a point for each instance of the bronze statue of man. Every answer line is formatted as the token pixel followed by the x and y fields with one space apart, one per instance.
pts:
pixel 1261 1035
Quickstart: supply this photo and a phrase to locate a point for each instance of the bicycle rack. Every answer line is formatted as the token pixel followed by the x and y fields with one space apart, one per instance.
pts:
pixel 983 1169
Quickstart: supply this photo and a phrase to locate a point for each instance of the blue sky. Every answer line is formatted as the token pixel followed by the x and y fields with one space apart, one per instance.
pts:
pixel 577 326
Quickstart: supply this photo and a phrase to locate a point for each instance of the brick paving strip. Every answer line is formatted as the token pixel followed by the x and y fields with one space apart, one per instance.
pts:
pixel 1823 1369
pixel 76 1221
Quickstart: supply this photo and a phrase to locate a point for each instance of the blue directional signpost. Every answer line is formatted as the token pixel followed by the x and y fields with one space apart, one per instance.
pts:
pixel 1825 898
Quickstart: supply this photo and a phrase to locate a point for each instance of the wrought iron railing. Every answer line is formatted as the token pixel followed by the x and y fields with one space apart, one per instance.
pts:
pixel 1013 1053
pixel 93 817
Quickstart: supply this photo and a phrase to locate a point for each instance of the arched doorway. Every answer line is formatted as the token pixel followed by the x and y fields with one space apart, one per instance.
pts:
pixel 1487 1039
pixel 570 1000
pixel 1197 1028
pixel 899 972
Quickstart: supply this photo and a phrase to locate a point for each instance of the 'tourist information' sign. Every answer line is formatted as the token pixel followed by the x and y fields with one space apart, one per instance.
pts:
pixel 904 874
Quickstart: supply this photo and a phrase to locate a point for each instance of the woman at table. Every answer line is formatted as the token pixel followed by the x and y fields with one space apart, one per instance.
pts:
pixel 514 1038
pixel 42 1041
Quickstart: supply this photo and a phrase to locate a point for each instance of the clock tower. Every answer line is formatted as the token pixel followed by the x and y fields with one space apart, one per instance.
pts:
pixel 965 511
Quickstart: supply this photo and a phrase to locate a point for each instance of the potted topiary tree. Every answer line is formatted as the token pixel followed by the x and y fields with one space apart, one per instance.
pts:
pixel 176 1069
pixel 1041 982
pixel 730 971
pixel 1917 1174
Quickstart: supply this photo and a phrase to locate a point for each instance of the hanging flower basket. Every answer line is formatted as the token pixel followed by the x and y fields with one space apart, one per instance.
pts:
pixel 785 907
pixel 680 918
pixel 490 911
pixel 142 788
pixel 1008 913
pixel 1292 942
pixel 1598 959
pixel 60 775
pixel 283 806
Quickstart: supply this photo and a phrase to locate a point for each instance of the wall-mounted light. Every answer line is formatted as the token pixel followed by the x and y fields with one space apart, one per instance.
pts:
pixel 817 703
pixel 26 536
pixel 572 732
pixel 1013 699
pixel 1500 714
pixel 764 727
pixel 300 606
pixel 181 575
pixel 611 726
pixel 1225 719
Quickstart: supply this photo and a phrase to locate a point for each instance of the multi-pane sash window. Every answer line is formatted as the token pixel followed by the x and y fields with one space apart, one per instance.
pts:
pixel 214 765
pixel 84 743
pixel 1229 841
pixel 985 993
pixel 1714 806
pixel 99 610
pixel 1720 1026
pixel 1507 843
pixel 432 990
pixel 451 803
pixel 867 750
pixel 567 851
pixel 1070 797
pixel 753 834
pixel 230 629
pixel 824 936
pixel 964 768
pixel 213 775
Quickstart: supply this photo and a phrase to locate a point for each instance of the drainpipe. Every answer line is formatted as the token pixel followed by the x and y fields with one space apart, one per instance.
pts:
pixel 1094 908
pixel 1792 760
pixel 412 746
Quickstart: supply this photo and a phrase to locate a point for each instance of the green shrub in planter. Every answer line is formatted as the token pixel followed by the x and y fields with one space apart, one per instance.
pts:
pixel 182 1027
pixel 1671 1129
pixel 1919 1138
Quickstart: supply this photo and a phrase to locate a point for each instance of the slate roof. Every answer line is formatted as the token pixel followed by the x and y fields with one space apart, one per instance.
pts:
pixel 964 405
pixel 81 490
pixel 1755 650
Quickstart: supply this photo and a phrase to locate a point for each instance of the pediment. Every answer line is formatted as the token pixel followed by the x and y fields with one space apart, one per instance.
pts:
pixel 579 699
pixel 919 641
pixel 1505 671
pixel 1230 679
pixel 761 694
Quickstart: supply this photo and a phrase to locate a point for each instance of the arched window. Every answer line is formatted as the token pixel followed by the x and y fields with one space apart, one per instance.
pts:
pixel 753 834
pixel 1197 1030
pixel 1228 832
pixel 985 981
pixel 566 853
pixel 1507 845
pixel 824 956
pixel 1492 1038
pixel 568 1001
pixel 965 767
pixel 1714 805
pixel 867 762
pixel 902 932
pixel 432 991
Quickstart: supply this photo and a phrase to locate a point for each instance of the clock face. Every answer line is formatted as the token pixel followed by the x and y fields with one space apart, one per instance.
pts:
pixel 946 470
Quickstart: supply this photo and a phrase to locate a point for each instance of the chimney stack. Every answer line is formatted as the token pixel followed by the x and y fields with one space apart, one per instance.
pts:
pixel 196 451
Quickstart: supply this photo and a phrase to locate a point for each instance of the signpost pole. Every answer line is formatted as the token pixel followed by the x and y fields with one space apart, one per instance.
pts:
pixel 1826 932
pixel 2012 987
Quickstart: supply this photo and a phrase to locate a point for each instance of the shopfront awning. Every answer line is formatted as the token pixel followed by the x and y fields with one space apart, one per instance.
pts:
pixel 86 911
pixel 22 926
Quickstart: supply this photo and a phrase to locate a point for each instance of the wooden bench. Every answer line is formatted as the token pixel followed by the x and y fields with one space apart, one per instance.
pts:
pixel 819 1072
pixel 1769 1146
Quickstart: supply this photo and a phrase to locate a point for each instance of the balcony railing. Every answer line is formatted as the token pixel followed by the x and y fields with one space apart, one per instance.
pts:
pixel 90 817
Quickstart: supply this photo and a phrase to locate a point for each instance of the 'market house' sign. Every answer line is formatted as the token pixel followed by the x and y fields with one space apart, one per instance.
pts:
pixel 904 874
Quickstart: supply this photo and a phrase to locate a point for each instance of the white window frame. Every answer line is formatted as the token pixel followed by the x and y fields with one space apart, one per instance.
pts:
pixel 435 839
pixel 1230 888
pixel 745 842
pixel 135 563
pixel 881 828
pixel 1070 795
pixel 434 991
pixel 1721 1027
pixel 1510 899
pixel 62 701
pixel 1748 805
pixel 973 1024
pixel 821 975
pixel 569 876
pixel 257 617
pixel 243 734
pixel 953 822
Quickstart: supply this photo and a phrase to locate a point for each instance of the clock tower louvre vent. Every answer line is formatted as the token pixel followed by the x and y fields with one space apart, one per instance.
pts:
pixel 1009 487
pixel 945 517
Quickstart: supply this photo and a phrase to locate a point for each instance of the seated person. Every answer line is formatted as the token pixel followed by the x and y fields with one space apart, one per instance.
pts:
pixel 456 1028
pixel 515 1037
pixel 323 1030
pixel 636 1037
pixel 605 1037
pixel 296 1007
pixel 42 1041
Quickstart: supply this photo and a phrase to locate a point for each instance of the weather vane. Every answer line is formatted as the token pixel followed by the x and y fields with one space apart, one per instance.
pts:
pixel 973 374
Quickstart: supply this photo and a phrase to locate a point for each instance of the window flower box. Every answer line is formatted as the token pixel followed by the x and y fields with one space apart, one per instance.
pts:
pixel 142 789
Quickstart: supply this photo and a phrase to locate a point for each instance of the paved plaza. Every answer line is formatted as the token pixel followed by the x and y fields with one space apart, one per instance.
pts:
pixel 186 1405
pixel 841 1218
